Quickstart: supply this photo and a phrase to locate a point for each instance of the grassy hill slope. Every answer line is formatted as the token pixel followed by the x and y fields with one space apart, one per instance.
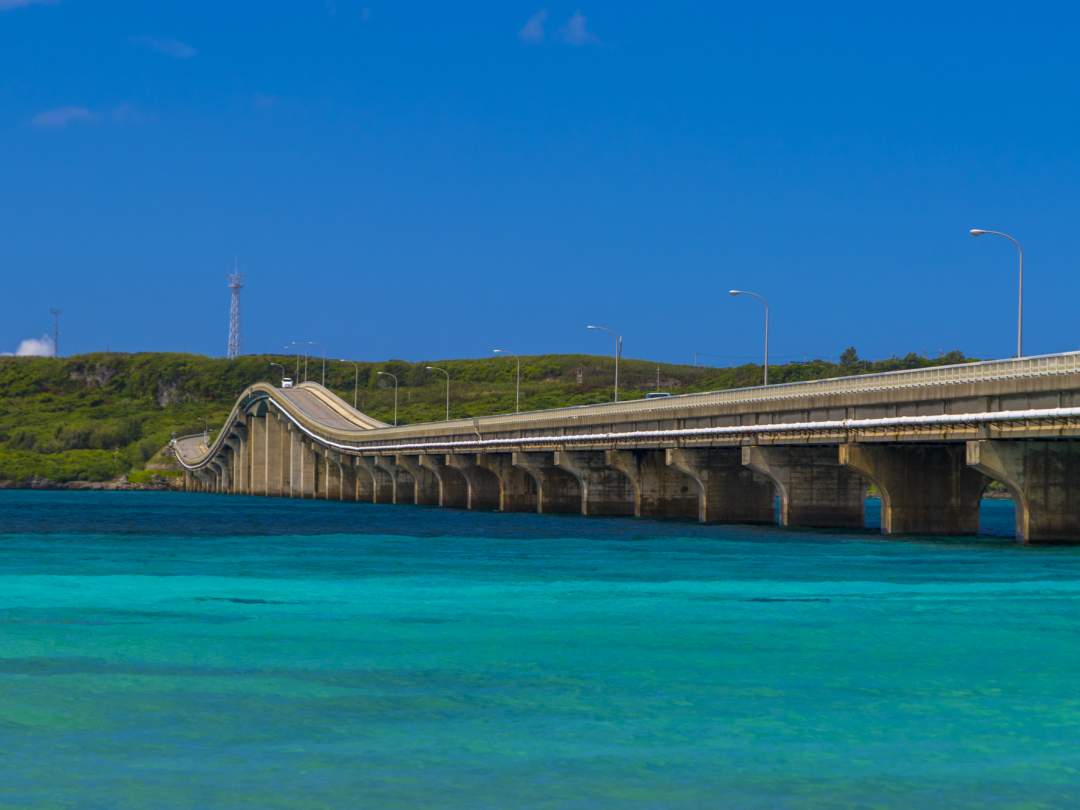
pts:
pixel 96 417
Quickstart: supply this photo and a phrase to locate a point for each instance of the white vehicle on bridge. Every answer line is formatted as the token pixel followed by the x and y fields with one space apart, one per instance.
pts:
pixel 286 382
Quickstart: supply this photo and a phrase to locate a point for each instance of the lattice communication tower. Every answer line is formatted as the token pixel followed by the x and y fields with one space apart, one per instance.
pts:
pixel 236 281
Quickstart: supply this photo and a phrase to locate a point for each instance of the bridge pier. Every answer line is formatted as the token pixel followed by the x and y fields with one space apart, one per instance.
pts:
pixel 453 489
pixel 481 485
pixel 557 490
pixel 659 490
pixel 925 488
pixel 237 440
pixel 276 460
pixel 221 476
pixel 257 441
pixel 402 487
pixel 332 475
pixel 604 489
pixel 815 489
pixel 377 486
pixel 347 471
pixel 517 489
pixel 1043 478
pixel 425 484
pixel 727 491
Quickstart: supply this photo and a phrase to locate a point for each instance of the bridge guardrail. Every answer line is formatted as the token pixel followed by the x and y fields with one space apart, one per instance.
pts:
pixel 961 373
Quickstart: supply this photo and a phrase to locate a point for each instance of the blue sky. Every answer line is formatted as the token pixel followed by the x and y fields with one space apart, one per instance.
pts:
pixel 427 180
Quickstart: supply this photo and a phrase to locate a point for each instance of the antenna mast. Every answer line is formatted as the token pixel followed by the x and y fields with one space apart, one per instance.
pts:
pixel 55 331
pixel 236 281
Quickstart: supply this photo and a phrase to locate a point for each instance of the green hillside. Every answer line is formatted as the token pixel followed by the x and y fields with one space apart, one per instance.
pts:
pixel 96 417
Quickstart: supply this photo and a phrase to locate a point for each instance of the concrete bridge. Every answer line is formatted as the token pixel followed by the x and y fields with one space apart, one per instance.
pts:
pixel 931 440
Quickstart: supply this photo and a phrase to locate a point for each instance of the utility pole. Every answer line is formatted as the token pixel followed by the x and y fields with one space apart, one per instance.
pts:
pixel 55 331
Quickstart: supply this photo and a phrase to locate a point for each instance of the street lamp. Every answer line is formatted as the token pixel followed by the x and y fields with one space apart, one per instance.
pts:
pixel 394 378
pixel 760 298
pixel 517 385
pixel 288 348
pixel 447 373
pixel 1020 297
pixel 618 352
pixel 356 380
pixel 281 367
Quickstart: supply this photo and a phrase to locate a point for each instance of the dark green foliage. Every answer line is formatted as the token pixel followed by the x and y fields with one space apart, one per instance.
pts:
pixel 97 416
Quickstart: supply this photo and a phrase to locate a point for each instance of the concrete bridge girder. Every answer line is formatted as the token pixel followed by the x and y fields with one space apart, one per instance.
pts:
pixel 660 490
pixel 374 483
pixel 558 492
pixel 728 492
pixel 425 483
pixel 604 489
pixel 815 490
pixel 1043 477
pixel 481 485
pixel 925 488
pixel 402 486
pixel 518 491
pixel 453 488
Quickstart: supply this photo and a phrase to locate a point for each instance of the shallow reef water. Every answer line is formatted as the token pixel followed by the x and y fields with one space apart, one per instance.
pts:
pixel 179 651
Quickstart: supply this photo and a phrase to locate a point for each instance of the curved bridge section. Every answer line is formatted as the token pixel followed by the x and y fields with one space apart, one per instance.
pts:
pixel 930 440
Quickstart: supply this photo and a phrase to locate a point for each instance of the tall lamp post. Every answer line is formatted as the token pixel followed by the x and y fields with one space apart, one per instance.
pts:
pixel 289 349
pixel 447 373
pixel 618 352
pixel 394 378
pixel 1020 297
pixel 762 299
pixel 356 380
pixel 272 365
pixel 517 384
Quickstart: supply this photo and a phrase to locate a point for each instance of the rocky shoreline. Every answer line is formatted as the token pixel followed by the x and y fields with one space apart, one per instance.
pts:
pixel 116 485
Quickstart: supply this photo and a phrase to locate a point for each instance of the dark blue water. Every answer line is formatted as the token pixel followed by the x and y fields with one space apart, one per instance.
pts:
pixel 166 651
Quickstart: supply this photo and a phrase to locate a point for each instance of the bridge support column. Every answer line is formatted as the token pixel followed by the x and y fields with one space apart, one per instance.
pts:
pixel 659 489
pixel 257 439
pixel 187 481
pixel 347 471
pixel 727 491
pixel 302 466
pixel 425 484
pixel 604 490
pixel 557 490
pixel 518 491
pixel 376 485
pixel 332 475
pixel 221 482
pixel 481 485
pixel 293 453
pixel 402 486
pixel 925 488
pixel 453 489
pixel 815 489
pixel 243 459
pixel 1043 478
pixel 276 458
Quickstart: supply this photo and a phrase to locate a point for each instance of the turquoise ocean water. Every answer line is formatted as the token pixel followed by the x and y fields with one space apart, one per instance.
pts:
pixel 196 651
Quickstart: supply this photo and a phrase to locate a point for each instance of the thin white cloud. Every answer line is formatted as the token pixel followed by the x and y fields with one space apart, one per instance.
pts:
pixel 128 115
pixel 8 5
pixel 533 30
pixel 576 31
pixel 34 347
pixel 170 47
pixel 61 117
